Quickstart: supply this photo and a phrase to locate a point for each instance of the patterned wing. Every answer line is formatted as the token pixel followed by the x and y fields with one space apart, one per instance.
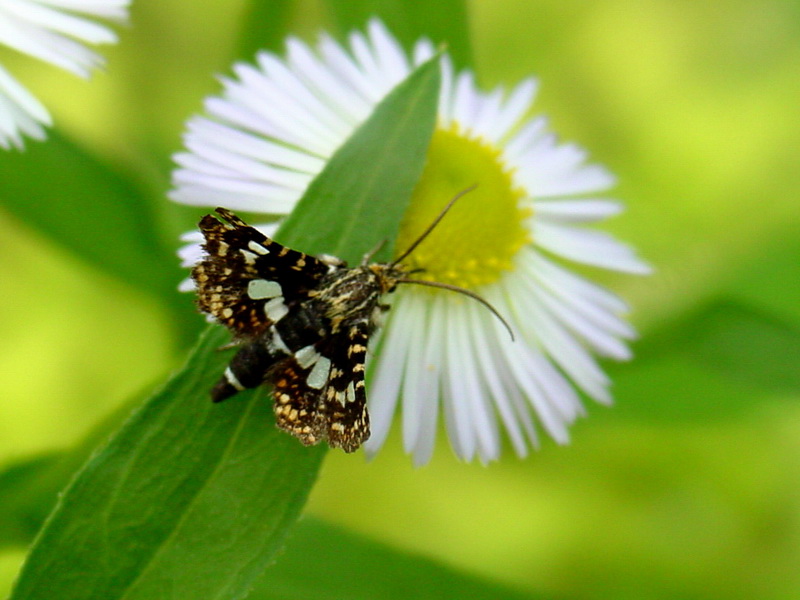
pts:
pixel 319 392
pixel 344 402
pixel 297 403
pixel 246 280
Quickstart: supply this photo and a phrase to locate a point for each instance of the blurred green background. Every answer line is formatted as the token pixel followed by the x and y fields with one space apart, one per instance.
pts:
pixel 689 487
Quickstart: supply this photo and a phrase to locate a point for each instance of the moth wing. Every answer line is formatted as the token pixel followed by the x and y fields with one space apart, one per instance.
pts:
pixel 344 402
pixel 319 391
pixel 297 403
pixel 246 280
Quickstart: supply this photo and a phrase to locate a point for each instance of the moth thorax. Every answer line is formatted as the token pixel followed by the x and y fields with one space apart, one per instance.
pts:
pixel 351 293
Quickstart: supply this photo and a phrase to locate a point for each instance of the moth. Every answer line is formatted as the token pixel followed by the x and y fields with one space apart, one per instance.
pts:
pixel 301 323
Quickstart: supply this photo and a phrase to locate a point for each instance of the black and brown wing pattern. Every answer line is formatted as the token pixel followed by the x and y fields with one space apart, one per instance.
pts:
pixel 297 403
pixel 247 280
pixel 302 324
pixel 319 391
pixel 343 403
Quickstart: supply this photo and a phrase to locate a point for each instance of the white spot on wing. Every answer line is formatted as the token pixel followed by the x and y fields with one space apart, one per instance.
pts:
pixel 277 342
pixel 351 392
pixel 306 356
pixel 319 374
pixel 249 257
pixel 257 248
pixel 260 289
pixel 275 309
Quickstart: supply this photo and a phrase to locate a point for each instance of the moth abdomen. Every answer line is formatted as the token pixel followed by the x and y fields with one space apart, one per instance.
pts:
pixel 245 371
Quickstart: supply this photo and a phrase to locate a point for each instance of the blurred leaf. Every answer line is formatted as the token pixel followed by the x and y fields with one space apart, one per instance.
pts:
pixel 265 27
pixel 25 500
pixel 376 171
pixel 29 488
pixel 767 279
pixel 346 566
pixel 445 22
pixel 748 346
pixel 192 499
pixel 716 362
pixel 72 197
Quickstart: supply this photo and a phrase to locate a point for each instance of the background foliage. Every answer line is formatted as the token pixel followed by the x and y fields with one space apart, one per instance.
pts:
pixel 688 487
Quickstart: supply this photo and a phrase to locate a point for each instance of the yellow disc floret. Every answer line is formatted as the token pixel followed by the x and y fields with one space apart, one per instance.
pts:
pixel 478 238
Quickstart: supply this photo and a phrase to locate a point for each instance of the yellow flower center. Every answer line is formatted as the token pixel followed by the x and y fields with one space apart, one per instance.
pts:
pixel 477 240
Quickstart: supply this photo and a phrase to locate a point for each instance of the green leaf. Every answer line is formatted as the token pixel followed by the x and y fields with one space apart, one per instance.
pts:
pixel 444 22
pixel 24 501
pixel 748 346
pixel 193 500
pixel 346 566
pixel 720 361
pixel 61 190
pixel 375 174
pixel 29 488
pixel 196 494
pixel 265 27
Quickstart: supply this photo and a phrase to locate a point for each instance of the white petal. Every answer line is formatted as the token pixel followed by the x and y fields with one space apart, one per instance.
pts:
pixel 595 312
pixel 58 21
pixel 236 166
pixel 235 195
pixel 191 254
pixel 468 392
pixel 487 351
pixel 390 56
pixel 266 97
pixel 513 109
pixel 419 379
pixel 20 113
pixel 570 356
pixel 486 115
pixel 351 107
pixel 465 100
pixel 588 246
pixel 421 396
pixel 423 51
pixel 446 92
pixel 281 83
pixel 527 137
pixel 577 211
pixel 574 285
pixel 548 170
pixel 456 410
pixel 520 362
pixel 218 135
pixel 601 341
pixel 40 32
pixel 387 370
pixel 345 68
pixel 272 127
pixel 116 10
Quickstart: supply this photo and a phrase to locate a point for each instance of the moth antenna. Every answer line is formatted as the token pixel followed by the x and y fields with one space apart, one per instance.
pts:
pixel 431 227
pixel 377 248
pixel 460 290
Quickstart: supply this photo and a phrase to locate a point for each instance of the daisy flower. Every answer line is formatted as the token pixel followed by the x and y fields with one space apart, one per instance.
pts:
pixel 271 131
pixel 54 31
